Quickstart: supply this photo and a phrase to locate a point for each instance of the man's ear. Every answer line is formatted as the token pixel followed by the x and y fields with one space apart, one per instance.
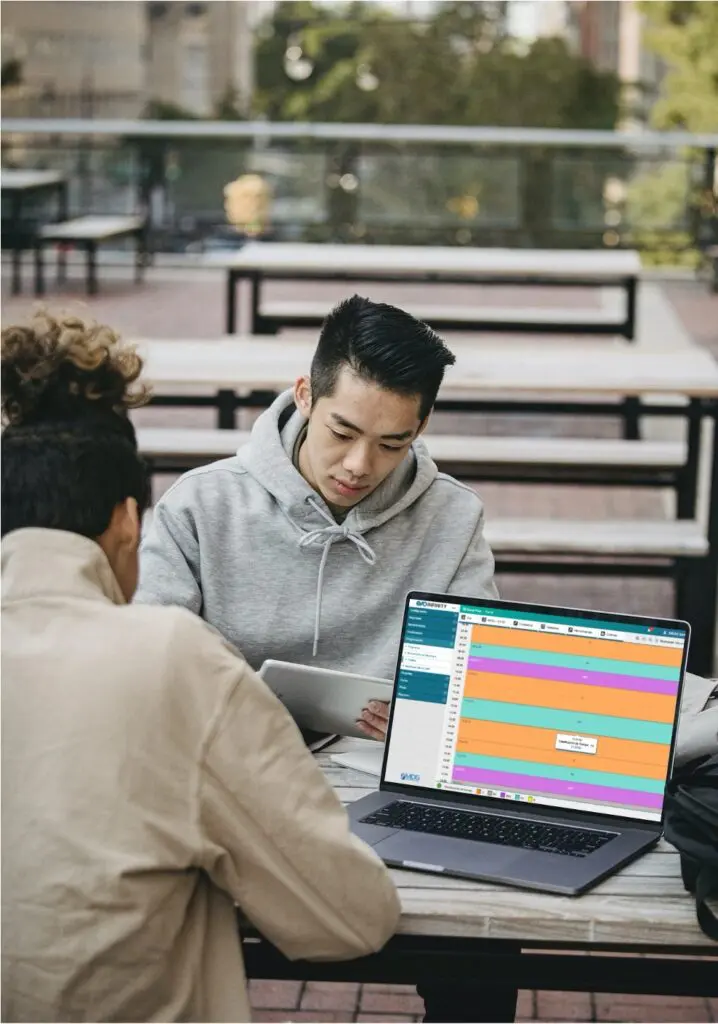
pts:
pixel 303 396
pixel 130 526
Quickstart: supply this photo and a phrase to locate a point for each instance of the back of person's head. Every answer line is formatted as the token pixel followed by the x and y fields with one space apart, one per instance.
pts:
pixel 69 451
pixel 382 345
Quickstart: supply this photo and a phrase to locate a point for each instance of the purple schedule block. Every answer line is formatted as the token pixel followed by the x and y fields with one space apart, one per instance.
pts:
pixel 556 787
pixel 528 670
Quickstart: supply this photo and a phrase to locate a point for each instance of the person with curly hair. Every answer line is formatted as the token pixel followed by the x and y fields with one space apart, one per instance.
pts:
pixel 150 780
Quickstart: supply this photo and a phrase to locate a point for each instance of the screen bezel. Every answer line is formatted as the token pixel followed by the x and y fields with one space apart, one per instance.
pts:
pixel 449 796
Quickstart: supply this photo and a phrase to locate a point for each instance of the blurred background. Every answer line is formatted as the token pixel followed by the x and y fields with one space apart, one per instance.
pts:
pixel 153 107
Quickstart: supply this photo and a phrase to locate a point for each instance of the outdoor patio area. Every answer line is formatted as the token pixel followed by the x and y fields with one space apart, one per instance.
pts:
pixel 185 302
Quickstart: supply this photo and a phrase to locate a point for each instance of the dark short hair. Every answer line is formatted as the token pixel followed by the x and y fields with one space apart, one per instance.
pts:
pixel 381 344
pixel 69 450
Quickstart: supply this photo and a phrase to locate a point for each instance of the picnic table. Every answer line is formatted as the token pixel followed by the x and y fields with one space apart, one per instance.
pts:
pixel 89 232
pixel 455 931
pixel 229 374
pixel 258 262
pixel 20 185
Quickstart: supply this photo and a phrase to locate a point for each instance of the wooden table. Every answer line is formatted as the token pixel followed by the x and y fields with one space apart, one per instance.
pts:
pixel 453 930
pixel 89 232
pixel 246 363
pixel 258 262
pixel 19 185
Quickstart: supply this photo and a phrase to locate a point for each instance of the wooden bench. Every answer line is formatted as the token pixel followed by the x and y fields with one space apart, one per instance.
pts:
pixel 679 550
pixel 274 315
pixel 535 459
pixel 89 233
pixel 601 538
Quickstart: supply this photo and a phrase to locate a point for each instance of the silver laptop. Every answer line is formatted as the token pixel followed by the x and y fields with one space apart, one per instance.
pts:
pixel 527 744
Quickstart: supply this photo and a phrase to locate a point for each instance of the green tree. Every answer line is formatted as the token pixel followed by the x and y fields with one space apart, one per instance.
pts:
pixel 360 65
pixel 685 35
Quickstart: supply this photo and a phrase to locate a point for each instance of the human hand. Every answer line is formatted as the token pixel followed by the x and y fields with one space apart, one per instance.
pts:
pixel 374 719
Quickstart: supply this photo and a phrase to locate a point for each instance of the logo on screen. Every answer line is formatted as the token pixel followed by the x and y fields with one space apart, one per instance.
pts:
pixel 409 777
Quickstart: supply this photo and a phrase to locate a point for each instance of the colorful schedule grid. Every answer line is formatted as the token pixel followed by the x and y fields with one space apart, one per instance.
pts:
pixel 567 717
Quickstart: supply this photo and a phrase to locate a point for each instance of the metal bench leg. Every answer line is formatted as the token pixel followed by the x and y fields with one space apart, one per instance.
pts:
pixel 254 304
pixel 91 249
pixel 140 256
pixel 697 579
pixel 61 263
pixel 631 418
pixel 687 484
pixel 16 271
pixel 629 328
pixel 697 603
pixel 16 234
pixel 62 248
pixel 226 406
pixel 231 299
pixel 39 269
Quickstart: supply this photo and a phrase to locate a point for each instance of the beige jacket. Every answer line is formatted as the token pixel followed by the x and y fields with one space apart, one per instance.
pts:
pixel 149 779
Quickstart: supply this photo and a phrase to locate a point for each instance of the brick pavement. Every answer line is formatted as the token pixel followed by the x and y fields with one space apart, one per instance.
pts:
pixel 187 304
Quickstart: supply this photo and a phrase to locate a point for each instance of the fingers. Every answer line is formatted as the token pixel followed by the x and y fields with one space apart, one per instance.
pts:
pixel 374 719
pixel 371 731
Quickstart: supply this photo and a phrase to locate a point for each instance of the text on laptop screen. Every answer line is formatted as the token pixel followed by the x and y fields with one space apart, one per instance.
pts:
pixel 563 712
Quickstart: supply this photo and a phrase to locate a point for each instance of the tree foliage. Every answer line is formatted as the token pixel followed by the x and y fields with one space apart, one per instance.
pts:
pixel 685 36
pixel 364 64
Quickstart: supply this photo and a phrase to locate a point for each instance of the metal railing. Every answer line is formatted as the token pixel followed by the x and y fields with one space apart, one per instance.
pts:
pixel 406 184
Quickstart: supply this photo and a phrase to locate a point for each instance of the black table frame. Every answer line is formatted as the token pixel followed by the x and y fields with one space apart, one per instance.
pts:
pixel 17 237
pixel 471 964
pixel 261 323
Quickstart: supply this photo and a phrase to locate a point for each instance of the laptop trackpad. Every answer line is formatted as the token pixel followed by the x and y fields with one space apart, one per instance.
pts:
pixel 461 855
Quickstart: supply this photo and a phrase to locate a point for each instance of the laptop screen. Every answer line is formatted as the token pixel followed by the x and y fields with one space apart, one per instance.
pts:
pixel 539 705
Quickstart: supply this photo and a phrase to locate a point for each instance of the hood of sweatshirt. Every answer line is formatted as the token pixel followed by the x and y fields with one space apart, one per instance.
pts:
pixel 268 459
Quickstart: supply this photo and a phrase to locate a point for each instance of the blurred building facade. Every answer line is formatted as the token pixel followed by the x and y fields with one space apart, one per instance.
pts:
pixel 199 55
pixel 611 34
pixel 74 59
pixel 111 58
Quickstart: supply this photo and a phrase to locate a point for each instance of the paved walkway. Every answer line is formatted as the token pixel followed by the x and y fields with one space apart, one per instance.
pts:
pixel 190 304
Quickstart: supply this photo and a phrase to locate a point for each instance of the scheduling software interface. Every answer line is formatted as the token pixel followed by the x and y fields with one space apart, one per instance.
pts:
pixel 547 709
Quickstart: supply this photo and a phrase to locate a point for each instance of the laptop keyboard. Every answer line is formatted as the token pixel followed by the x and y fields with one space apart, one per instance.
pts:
pixel 489 828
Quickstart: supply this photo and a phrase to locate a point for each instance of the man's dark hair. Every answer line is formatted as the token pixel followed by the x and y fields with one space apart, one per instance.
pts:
pixel 381 344
pixel 69 451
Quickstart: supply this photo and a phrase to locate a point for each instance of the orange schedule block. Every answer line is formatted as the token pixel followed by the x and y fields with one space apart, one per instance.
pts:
pixel 526 743
pixel 546 693
pixel 576 645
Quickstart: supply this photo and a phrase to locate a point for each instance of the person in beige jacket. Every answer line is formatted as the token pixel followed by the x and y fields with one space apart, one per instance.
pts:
pixel 150 781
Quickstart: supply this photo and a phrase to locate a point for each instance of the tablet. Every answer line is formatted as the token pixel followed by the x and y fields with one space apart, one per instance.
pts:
pixel 322 699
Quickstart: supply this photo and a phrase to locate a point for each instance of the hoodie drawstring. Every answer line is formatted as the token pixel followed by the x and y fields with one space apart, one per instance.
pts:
pixel 326 536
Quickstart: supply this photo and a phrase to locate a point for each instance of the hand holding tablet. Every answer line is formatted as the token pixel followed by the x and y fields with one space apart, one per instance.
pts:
pixel 329 701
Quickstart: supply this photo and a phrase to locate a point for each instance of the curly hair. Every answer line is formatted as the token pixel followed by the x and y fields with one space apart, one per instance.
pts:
pixel 61 368
pixel 69 450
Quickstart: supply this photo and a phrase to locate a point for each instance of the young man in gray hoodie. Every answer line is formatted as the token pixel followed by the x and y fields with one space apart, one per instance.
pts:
pixel 303 546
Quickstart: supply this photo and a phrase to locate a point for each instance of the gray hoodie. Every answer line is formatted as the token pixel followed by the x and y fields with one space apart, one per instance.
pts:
pixel 249 545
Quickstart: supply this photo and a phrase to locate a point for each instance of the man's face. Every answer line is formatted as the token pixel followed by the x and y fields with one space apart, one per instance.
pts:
pixel 355 437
